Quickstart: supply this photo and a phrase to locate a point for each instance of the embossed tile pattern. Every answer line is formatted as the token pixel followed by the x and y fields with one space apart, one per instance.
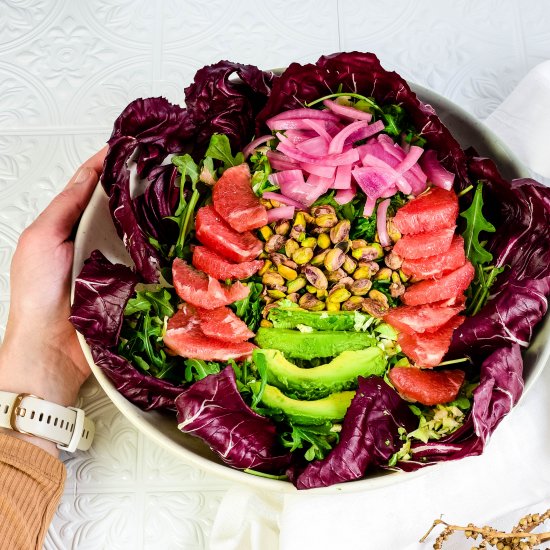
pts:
pixel 67 68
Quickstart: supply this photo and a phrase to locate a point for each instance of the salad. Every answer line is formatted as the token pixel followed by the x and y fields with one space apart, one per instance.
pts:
pixel 324 282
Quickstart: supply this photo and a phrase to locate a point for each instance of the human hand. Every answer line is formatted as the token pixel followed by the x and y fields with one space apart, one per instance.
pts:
pixel 40 353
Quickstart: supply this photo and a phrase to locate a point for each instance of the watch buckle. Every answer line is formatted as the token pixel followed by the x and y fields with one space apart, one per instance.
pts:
pixel 16 410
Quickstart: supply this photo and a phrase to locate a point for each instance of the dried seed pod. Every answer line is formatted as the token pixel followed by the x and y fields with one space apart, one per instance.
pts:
pixel 290 247
pixel 282 227
pixel 275 293
pixel 274 203
pixel 288 273
pixel 373 266
pixel 335 276
pixel 311 303
pixel 297 284
pixel 332 306
pixel 397 289
pixel 395 278
pixel 272 278
pixel 266 203
pixel 319 258
pixel 323 241
pixel 266 232
pixel 265 268
pixel 274 243
pixel 384 274
pixel 334 259
pixel 362 273
pixel 370 252
pixel 315 277
pixel 322 293
pixel 311 289
pixel 322 209
pixel 320 231
pixel 344 246
pixel 340 231
pixel 346 281
pixel 393 261
pixel 379 297
pixel 339 295
pixel 374 308
pixel 349 265
pixel 308 217
pixel 290 263
pixel 326 220
pixel 298 227
pixel 353 304
pixel 404 278
pixel 361 287
pixel 303 255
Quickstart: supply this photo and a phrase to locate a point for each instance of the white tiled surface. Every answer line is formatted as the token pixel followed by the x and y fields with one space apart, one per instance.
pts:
pixel 68 67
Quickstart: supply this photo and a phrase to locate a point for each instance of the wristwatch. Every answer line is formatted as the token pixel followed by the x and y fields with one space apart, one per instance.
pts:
pixel 28 414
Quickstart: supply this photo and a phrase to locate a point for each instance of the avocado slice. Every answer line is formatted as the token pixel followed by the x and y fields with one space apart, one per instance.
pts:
pixel 331 408
pixel 282 317
pixel 309 345
pixel 338 375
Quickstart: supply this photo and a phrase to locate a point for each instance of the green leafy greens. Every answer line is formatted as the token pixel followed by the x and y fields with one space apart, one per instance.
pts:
pixel 478 293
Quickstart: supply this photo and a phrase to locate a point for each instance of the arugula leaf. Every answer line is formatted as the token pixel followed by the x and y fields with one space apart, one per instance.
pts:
pixel 196 369
pixel 219 148
pixel 249 309
pixel 475 223
pixel 261 169
pixel 317 441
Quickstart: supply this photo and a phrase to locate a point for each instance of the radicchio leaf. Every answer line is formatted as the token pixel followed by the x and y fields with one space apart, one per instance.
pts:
pixel 100 295
pixel 369 436
pixel 147 392
pixel 214 410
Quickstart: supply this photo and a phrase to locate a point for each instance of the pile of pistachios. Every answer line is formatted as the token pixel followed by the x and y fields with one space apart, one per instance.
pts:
pixel 311 260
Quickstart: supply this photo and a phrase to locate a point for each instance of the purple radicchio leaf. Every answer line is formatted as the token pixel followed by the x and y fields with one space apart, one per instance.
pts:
pixel 218 104
pixel 101 292
pixel 147 131
pixel 214 410
pixel 362 73
pixel 147 392
pixel 369 437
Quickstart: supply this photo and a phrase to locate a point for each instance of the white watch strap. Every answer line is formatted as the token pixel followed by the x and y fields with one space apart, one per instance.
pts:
pixel 28 414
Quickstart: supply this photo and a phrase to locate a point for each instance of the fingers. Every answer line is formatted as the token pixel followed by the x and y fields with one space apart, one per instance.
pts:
pixel 57 220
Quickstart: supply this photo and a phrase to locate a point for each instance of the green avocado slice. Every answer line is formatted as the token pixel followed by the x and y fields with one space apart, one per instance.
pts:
pixel 309 345
pixel 318 320
pixel 331 408
pixel 317 382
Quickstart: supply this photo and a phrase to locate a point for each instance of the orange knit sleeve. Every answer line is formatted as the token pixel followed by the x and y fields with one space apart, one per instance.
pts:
pixel 31 484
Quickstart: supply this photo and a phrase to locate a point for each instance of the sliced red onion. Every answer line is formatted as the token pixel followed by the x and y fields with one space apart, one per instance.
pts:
pixel 347 112
pixel 343 196
pixel 317 146
pixel 305 112
pixel 388 172
pixel 297 136
pixel 280 213
pixel 342 180
pixel 436 173
pixel 328 160
pixel 297 124
pixel 410 159
pixel 337 143
pixel 373 180
pixel 323 171
pixel 369 207
pixel 256 143
pixel 278 161
pixel 282 199
pixel 319 129
pixel 286 176
pixel 360 134
pixel 381 225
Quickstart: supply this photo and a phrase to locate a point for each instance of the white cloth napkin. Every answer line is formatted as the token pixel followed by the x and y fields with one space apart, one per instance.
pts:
pixel 513 473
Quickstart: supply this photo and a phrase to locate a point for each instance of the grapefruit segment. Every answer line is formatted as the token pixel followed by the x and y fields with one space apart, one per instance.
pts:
pixel 199 289
pixel 425 386
pixel 435 209
pixel 414 319
pixel 421 245
pixel 448 287
pixel 433 266
pixel 212 231
pixel 223 324
pixel 218 267
pixel 235 201
pixel 427 349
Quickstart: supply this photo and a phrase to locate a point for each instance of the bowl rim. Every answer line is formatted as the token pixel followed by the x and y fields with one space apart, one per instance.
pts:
pixel 136 416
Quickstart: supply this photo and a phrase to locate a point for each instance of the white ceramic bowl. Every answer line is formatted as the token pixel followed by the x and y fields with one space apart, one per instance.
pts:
pixel 96 230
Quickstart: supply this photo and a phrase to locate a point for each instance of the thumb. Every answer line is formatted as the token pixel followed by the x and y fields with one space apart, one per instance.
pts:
pixel 58 219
